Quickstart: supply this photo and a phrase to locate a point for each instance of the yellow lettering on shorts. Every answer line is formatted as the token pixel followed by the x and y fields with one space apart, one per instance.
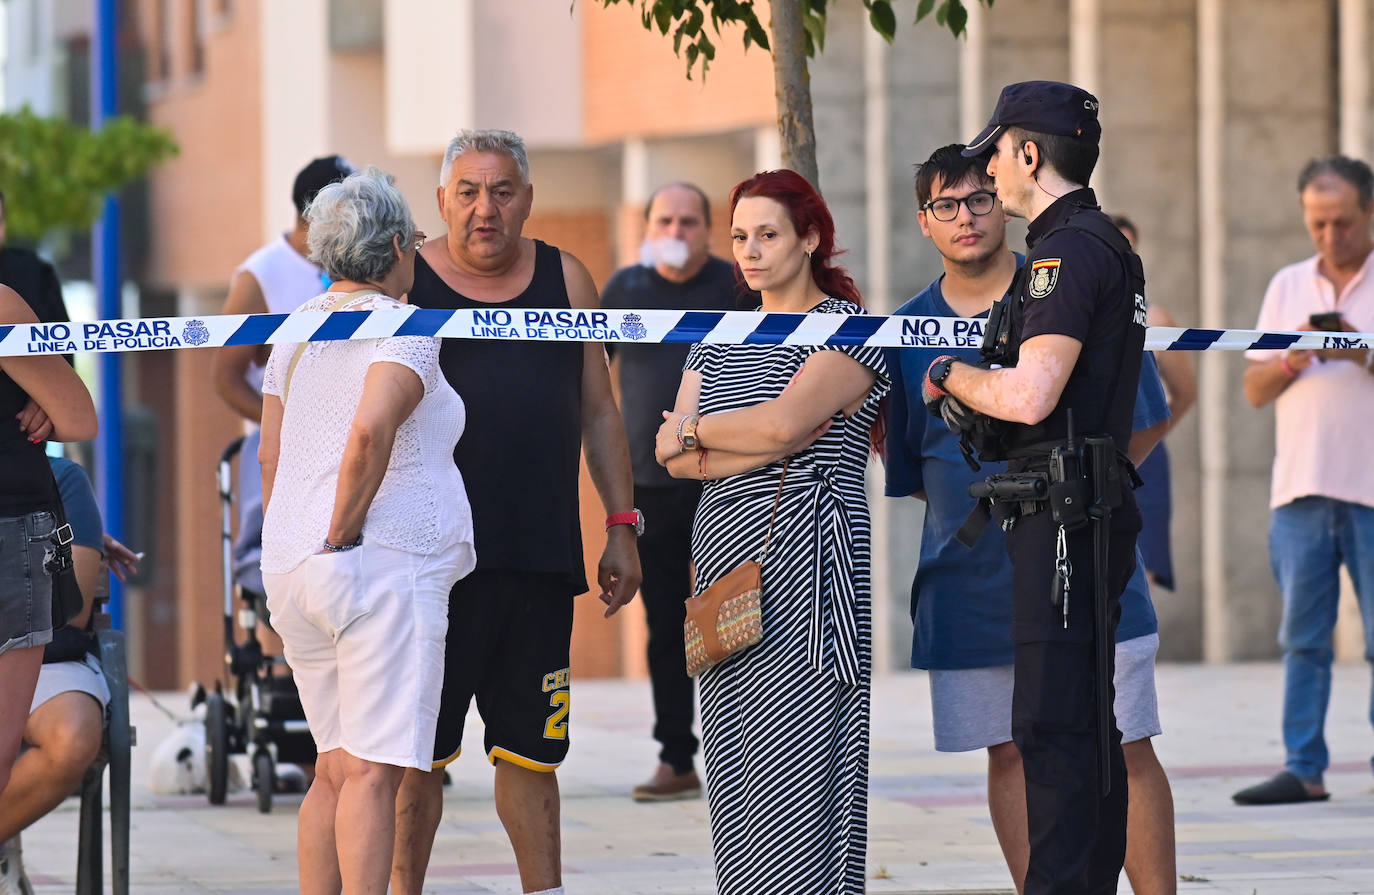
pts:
pixel 556 680
pixel 556 727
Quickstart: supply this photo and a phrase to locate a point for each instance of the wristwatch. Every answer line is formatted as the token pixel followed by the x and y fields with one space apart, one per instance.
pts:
pixel 633 517
pixel 687 431
pixel 939 371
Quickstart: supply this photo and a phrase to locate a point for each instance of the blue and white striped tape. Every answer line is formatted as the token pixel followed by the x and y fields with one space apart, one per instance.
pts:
pixel 554 325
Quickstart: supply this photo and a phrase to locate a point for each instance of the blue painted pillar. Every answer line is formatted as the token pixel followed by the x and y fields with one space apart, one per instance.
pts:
pixel 108 279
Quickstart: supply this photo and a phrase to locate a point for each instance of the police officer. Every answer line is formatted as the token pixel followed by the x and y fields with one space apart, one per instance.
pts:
pixel 1063 369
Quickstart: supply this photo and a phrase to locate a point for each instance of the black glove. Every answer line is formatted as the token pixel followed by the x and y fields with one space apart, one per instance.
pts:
pixel 957 417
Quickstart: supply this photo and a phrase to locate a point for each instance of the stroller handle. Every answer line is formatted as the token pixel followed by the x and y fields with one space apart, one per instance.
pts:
pixel 232 450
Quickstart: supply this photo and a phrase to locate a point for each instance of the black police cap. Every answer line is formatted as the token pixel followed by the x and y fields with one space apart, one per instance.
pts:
pixel 317 175
pixel 1046 107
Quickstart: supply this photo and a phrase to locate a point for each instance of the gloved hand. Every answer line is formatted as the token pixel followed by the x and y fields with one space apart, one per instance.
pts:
pixel 957 417
pixel 933 393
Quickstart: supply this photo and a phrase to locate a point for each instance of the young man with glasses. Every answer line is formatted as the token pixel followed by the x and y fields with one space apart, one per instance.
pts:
pixel 961 596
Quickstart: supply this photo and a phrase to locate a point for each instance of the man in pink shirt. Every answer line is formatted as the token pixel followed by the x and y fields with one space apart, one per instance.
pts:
pixel 1323 485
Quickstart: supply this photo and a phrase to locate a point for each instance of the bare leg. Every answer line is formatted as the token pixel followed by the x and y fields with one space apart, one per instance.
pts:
pixel 1151 864
pixel 365 825
pixel 419 805
pixel 64 736
pixel 527 803
pixel 1007 805
pixel 19 671
pixel 316 851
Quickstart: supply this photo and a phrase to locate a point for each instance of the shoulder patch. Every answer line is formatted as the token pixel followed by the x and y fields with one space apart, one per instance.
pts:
pixel 1044 276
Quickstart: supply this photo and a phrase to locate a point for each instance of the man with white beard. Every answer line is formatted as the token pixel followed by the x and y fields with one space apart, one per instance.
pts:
pixel 678 272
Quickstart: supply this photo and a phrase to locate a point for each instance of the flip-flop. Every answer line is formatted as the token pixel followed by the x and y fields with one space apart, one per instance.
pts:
pixel 1281 789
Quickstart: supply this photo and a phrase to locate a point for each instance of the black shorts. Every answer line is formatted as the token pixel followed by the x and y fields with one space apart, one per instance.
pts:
pixel 508 638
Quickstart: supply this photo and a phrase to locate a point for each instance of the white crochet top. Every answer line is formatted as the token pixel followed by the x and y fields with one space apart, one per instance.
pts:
pixel 421 506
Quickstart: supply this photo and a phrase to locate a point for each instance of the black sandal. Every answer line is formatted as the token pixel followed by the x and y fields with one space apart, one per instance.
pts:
pixel 1281 789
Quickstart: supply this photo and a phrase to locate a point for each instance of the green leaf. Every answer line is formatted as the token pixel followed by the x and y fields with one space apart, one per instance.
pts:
pixel 923 9
pixel 755 29
pixel 663 15
pixel 958 17
pixel 815 32
pixel 883 19
pixel 942 13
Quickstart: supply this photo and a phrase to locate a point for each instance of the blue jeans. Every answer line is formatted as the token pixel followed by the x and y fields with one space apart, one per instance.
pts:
pixel 1309 539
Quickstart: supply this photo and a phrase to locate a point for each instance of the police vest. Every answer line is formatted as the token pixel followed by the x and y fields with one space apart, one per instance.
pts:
pixel 996 440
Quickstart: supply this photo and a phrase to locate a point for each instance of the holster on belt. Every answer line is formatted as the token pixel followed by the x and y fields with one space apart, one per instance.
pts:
pixel 1025 491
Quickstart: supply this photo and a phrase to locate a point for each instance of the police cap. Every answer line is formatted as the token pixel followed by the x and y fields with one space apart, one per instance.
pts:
pixel 1046 107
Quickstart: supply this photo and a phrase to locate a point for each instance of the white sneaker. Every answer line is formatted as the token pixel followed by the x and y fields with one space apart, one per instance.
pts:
pixel 12 878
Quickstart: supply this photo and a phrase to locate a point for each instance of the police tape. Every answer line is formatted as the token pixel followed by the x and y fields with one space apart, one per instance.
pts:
pixel 564 325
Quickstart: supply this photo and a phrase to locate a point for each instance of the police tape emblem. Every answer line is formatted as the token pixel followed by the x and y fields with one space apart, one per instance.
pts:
pixel 1044 276
pixel 632 327
pixel 195 333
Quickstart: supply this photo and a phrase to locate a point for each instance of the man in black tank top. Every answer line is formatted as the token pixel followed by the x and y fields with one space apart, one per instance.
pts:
pixel 532 409
pixel 1067 377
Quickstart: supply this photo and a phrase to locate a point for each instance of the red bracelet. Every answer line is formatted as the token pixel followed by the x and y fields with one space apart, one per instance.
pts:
pixel 701 463
pixel 1287 367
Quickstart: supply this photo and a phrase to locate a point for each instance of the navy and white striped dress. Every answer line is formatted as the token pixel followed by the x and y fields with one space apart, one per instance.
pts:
pixel 785 723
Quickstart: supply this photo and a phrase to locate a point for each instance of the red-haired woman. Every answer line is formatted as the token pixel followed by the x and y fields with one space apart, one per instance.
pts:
pixel 785 722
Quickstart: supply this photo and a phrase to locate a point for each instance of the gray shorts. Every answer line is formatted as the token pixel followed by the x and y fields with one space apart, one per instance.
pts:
pixel 25 587
pixel 82 675
pixel 972 706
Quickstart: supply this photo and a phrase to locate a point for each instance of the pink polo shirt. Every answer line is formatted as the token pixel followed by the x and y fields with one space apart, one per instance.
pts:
pixel 1324 420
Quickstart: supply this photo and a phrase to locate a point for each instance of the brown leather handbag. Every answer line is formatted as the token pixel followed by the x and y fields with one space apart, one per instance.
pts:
pixel 727 617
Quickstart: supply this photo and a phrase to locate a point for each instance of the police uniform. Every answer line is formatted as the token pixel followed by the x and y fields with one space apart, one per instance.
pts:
pixel 1080 280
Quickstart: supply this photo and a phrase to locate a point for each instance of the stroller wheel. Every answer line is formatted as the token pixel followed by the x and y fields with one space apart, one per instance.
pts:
pixel 264 780
pixel 216 747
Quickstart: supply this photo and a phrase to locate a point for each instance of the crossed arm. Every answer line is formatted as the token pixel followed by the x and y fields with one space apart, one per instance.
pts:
pixel 737 441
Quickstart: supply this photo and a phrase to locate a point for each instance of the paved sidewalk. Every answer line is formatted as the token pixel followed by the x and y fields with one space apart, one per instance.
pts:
pixel 928 817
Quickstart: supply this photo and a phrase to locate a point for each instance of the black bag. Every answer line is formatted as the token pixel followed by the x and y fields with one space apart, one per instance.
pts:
pixel 66 592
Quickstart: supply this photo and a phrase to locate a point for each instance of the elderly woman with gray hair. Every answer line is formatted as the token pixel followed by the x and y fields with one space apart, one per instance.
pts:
pixel 366 528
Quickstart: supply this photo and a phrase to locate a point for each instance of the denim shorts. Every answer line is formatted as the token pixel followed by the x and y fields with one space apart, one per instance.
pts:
pixel 25 585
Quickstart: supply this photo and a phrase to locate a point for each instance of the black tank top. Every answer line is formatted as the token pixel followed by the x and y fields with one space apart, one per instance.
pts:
pixel 521 450
pixel 25 479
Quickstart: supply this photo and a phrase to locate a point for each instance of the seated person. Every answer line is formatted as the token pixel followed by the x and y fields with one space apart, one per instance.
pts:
pixel 67 718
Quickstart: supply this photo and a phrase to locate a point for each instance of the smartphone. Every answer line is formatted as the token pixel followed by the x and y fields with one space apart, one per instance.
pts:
pixel 1328 322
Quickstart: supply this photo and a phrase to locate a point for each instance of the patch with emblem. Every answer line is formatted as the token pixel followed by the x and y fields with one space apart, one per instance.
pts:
pixel 1044 276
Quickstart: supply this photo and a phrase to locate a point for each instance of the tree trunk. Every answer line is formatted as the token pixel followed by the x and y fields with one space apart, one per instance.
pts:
pixel 793 81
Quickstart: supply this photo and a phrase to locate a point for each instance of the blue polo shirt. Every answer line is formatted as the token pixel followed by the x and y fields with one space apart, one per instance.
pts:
pixel 961 596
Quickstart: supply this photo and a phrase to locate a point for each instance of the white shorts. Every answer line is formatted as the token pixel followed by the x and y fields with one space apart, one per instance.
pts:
pixel 363 632
pixel 972 706
pixel 82 676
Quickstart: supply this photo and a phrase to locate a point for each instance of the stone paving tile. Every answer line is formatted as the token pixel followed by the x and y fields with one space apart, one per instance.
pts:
pixel 929 830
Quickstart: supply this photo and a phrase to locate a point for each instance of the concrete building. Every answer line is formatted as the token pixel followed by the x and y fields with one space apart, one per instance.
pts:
pixel 1209 108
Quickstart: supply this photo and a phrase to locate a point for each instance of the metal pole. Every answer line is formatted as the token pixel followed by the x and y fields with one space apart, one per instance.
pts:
pixel 105 251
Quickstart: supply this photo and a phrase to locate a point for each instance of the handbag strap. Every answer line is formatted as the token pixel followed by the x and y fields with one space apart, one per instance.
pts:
pixel 300 349
pixel 777 499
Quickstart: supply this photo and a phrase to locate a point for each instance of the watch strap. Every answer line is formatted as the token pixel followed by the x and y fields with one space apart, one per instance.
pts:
pixel 630 517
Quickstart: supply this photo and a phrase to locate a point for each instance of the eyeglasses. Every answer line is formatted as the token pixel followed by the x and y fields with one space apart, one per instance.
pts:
pixel 979 203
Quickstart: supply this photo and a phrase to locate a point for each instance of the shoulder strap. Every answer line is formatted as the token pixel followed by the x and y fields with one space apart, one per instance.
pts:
pixel 777 499
pixel 300 349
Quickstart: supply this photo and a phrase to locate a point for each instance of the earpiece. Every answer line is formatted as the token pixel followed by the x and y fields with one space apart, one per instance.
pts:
pixel 1026 155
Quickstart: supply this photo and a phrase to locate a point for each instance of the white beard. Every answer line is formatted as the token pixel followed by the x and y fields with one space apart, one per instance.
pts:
pixel 667 251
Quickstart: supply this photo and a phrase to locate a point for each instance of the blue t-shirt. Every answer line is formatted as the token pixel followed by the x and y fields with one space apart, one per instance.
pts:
pixel 961 596
pixel 78 502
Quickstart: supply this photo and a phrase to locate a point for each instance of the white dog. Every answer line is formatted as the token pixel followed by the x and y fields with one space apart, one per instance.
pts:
pixel 178 762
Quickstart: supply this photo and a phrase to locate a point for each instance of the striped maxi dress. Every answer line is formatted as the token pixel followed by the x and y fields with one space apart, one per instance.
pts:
pixel 785 723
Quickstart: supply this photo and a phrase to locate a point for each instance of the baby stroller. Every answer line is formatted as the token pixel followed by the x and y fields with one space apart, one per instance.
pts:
pixel 263 715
